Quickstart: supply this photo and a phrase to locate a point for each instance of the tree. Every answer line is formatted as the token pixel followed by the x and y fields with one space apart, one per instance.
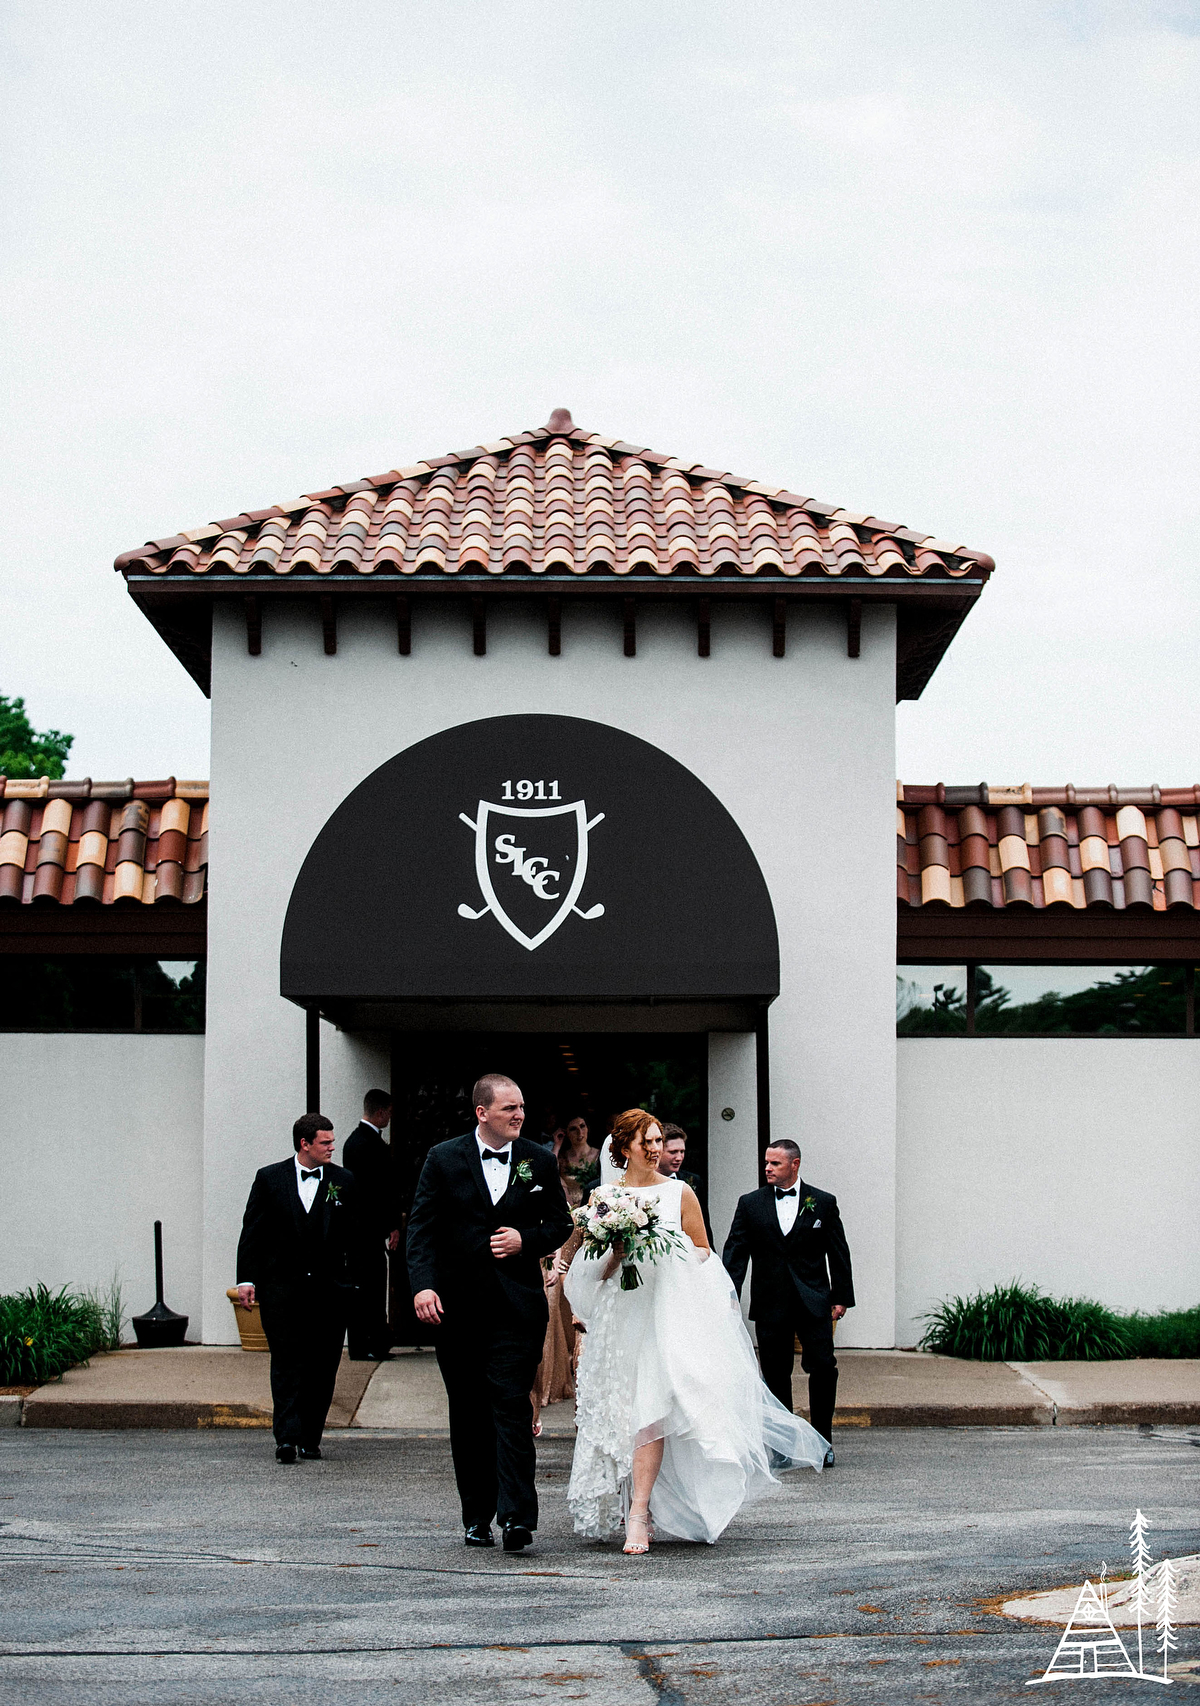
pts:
pixel 1167 1639
pixel 1141 1566
pixel 24 752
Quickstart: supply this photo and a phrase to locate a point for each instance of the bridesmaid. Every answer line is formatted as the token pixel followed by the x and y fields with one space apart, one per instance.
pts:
pixel 579 1169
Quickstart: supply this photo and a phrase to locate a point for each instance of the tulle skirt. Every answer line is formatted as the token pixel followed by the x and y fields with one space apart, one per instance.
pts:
pixel 672 1360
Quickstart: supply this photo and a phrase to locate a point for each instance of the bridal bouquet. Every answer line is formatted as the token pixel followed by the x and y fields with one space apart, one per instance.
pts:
pixel 615 1215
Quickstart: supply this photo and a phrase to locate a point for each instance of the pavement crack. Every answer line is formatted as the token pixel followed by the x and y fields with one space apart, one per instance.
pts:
pixel 648 1668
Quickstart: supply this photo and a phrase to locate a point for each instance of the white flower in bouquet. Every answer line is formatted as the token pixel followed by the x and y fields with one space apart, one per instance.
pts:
pixel 616 1215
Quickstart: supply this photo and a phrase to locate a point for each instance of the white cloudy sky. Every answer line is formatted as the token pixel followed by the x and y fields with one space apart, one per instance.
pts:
pixel 936 261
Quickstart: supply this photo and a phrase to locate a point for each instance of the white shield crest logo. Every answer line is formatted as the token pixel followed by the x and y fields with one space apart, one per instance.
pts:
pixel 550 866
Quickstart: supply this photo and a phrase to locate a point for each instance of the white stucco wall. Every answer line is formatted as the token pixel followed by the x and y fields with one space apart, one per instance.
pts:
pixel 1070 1162
pixel 799 749
pixel 102 1137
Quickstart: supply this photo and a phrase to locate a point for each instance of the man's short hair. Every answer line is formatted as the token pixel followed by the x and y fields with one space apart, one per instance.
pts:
pixel 670 1132
pixel 484 1093
pixel 375 1101
pixel 307 1127
pixel 788 1147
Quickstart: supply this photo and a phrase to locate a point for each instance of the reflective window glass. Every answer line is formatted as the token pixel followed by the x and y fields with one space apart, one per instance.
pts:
pixel 931 1001
pixel 100 992
pixel 1080 1001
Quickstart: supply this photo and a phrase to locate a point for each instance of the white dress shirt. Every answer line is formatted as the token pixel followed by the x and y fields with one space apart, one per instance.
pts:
pixel 787 1208
pixel 495 1176
pixel 308 1188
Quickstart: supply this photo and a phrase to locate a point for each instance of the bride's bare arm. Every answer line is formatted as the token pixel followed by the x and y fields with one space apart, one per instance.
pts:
pixel 693 1219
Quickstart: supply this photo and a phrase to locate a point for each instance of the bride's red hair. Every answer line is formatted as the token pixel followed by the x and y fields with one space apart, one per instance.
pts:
pixel 627 1127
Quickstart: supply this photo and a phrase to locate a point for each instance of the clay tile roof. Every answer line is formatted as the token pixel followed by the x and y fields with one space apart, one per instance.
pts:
pixel 1004 845
pixel 99 843
pixel 593 501
pixel 551 505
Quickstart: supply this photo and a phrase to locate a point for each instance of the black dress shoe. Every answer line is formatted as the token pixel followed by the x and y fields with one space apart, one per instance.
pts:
pixel 377 1356
pixel 829 1458
pixel 285 1454
pixel 310 1453
pixel 479 1534
pixel 517 1537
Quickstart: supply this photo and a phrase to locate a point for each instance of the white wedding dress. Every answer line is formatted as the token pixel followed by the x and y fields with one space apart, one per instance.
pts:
pixel 672 1360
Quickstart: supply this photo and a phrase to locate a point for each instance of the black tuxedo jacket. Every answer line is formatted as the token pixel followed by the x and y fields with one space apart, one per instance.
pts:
pixel 453 1218
pixel 811 1266
pixel 373 1163
pixel 282 1255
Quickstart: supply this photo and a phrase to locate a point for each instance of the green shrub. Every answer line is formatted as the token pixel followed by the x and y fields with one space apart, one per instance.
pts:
pixel 1170 1333
pixel 1019 1323
pixel 44 1333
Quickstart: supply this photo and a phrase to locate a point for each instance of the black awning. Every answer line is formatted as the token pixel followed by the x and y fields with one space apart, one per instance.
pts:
pixel 530 859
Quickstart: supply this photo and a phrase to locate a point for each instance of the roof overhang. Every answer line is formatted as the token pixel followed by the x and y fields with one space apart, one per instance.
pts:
pixel 558 515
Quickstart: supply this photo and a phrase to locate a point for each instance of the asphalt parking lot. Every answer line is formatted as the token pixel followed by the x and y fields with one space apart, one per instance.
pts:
pixel 188 1567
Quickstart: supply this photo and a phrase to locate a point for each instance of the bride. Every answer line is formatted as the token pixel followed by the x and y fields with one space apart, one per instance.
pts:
pixel 675 1430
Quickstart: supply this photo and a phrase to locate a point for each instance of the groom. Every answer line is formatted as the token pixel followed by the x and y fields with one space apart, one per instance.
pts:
pixel 488 1207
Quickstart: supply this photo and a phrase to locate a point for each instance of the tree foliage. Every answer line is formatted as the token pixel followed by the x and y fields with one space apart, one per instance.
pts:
pixel 24 752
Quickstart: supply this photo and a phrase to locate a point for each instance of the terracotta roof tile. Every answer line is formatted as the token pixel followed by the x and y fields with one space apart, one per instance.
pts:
pixel 1040 847
pixel 63 843
pixel 557 498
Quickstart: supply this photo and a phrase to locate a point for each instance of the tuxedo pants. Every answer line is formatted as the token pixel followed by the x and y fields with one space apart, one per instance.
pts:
pixel 368 1319
pixel 306 1348
pixel 777 1355
pixel 488 1377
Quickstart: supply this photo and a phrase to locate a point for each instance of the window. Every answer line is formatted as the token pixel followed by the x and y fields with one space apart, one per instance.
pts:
pixel 100 992
pixel 931 1001
pixel 1045 1001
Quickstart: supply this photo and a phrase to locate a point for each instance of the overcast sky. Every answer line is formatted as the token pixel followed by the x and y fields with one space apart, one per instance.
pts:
pixel 936 262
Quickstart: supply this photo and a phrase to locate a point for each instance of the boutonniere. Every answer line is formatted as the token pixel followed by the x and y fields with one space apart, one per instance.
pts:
pixel 808 1205
pixel 333 1194
pixel 524 1172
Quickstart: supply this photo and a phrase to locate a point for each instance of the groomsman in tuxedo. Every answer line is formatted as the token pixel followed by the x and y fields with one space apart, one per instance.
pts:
pixel 801 1281
pixel 488 1206
pixel 296 1261
pixel 368 1156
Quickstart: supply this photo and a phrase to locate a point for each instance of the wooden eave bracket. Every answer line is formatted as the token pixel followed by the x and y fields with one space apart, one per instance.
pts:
pixel 328 623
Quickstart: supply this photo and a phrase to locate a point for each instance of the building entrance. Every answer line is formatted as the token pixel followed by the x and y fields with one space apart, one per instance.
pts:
pixel 562 1074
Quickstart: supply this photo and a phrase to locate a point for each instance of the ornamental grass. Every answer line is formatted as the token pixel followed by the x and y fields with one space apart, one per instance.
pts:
pixel 45 1333
pixel 1020 1323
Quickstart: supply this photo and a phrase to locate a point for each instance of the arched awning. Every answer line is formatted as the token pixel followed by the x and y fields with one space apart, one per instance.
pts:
pixel 528 860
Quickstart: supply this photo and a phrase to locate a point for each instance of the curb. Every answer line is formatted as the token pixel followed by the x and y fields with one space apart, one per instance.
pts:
pixel 116 1413
pixel 1164 1413
pixel 943 1416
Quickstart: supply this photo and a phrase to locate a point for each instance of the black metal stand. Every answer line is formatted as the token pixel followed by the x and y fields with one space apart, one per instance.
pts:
pixel 159 1327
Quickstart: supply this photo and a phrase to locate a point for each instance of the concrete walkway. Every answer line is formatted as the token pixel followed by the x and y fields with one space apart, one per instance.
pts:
pixel 407 1397
pixel 214 1386
pixel 197 1386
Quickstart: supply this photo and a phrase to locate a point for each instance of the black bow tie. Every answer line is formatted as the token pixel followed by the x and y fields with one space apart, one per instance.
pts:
pixel 779 1193
pixel 315 1174
pixel 496 1155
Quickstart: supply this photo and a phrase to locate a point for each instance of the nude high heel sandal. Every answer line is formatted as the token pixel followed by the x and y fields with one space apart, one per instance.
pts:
pixel 632 1547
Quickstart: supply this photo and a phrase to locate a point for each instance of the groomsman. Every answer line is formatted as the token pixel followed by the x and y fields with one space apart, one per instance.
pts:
pixel 368 1156
pixel 295 1260
pixel 801 1281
